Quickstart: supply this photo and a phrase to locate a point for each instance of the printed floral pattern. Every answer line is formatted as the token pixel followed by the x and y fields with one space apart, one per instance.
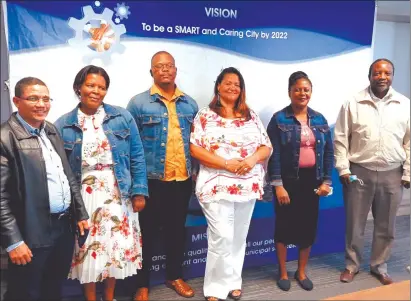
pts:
pixel 113 246
pixel 229 139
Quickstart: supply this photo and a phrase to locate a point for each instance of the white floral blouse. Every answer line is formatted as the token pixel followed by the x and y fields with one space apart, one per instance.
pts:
pixel 230 139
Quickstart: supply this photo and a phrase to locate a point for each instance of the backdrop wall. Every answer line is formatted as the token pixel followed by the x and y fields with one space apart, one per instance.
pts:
pixel 266 41
pixel 388 37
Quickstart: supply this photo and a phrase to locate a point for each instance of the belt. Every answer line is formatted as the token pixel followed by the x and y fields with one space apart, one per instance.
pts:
pixel 60 215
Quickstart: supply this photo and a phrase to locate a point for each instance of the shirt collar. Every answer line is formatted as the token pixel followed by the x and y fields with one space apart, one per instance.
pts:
pixel 388 96
pixel 155 90
pixel 32 130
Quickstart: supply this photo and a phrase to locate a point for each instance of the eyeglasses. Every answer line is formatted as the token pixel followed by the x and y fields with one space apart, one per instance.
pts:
pixel 161 66
pixel 35 99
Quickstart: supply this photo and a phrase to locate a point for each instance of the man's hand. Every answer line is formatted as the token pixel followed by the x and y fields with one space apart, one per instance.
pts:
pixel 138 202
pixel 21 255
pixel 345 179
pixel 323 190
pixel 406 184
pixel 83 225
pixel 282 195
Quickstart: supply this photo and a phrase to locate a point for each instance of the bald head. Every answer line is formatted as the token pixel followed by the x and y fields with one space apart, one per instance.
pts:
pixel 161 53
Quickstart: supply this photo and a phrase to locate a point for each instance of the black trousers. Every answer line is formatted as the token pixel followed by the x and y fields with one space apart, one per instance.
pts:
pixel 166 209
pixel 42 278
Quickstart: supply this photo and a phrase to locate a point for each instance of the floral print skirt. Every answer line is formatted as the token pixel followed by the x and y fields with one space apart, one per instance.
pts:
pixel 113 246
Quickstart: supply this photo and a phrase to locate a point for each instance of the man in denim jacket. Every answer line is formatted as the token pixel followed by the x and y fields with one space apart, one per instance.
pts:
pixel 164 116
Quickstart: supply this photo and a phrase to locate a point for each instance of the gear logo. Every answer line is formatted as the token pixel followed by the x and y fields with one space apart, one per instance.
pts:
pixel 97 34
pixel 122 11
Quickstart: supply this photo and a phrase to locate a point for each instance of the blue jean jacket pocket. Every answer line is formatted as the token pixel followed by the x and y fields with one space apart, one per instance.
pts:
pixel 150 128
pixel 285 133
pixel 123 134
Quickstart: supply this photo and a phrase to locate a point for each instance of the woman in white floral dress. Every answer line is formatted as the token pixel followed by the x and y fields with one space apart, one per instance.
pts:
pixel 105 140
pixel 232 145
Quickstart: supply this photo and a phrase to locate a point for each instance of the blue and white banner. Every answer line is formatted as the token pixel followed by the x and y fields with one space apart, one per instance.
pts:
pixel 266 40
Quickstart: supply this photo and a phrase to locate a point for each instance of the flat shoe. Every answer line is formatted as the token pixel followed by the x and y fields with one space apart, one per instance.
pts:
pixel 235 297
pixel 212 299
pixel 284 284
pixel 306 284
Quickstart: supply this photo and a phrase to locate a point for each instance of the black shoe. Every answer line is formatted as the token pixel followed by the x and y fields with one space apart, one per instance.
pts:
pixel 305 284
pixel 284 284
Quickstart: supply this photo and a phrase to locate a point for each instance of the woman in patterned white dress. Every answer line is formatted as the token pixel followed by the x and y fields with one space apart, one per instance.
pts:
pixel 231 144
pixel 105 152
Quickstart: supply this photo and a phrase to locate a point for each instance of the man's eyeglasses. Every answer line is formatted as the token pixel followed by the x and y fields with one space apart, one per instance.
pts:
pixel 35 99
pixel 161 66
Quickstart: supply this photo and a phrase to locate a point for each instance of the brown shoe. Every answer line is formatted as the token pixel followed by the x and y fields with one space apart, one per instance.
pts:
pixel 141 294
pixel 347 276
pixel 384 278
pixel 182 288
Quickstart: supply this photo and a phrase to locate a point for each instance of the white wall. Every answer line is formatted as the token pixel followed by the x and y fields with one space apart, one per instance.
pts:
pixel 392 41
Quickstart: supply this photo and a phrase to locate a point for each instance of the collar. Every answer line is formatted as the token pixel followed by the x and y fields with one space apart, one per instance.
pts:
pixel 388 96
pixel 154 90
pixel 72 117
pixel 367 95
pixel 290 113
pixel 17 123
pixel 30 129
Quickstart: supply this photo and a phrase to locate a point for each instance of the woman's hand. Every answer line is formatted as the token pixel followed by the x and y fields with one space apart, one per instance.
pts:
pixel 247 165
pixel 323 190
pixel 138 202
pixel 282 195
pixel 233 165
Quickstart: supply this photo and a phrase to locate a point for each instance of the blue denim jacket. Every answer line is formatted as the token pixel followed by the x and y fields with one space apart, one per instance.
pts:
pixel 284 131
pixel 125 142
pixel 151 116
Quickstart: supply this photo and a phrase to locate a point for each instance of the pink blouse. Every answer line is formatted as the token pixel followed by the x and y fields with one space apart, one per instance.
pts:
pixel 307 146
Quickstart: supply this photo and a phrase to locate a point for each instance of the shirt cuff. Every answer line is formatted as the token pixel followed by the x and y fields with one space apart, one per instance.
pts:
pixel 276 183
pixel 344 172
pixel 13 246
pixel 405 178
pixel 327 182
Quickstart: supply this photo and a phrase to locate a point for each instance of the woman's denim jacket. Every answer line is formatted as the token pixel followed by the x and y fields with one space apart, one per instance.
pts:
pixel 127 149
pixel 284 131
pixel 151 116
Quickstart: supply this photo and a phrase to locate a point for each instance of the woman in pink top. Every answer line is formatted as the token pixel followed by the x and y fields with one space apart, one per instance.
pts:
pixel 300 170
pixel 231 144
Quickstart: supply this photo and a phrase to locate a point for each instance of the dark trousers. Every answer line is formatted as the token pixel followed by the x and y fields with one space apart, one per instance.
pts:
pixel 166 209
pixel 42 278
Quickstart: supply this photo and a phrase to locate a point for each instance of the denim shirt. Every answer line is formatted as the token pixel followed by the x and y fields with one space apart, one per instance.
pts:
pixel 151 116
pixel 284 131
pixel 127 150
